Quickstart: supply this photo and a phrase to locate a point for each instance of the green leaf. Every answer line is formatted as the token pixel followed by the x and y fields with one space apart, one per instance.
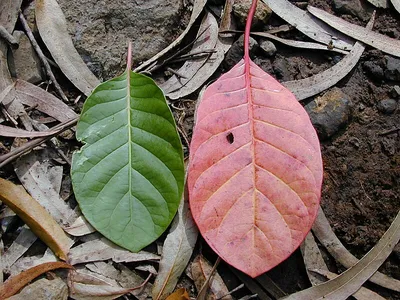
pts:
pixel 128 177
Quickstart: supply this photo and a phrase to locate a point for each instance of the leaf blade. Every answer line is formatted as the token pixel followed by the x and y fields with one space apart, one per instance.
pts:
pixel 120 169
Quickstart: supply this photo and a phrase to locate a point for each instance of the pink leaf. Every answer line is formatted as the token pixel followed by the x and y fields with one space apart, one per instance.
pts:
pixel 255 170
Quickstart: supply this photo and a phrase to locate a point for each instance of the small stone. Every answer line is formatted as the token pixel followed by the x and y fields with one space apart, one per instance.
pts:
pixel 373 70
pixel 235 53
pixel 26 62
pixel 330 112
pixel 268 47
pixel 392 71
pixel 351 7
pixel 395 91
pixel 387 106
pixel 241 10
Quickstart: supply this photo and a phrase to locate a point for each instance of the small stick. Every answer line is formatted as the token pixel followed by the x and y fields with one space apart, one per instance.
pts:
pixel 13 154
pixel 390 131
pixel 42 57
pixel 176 73
pixel 8 116
pixel 8 37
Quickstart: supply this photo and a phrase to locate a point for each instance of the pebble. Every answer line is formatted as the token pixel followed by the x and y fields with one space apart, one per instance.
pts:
pixel 235 53
pixel 351 7
pixel 330 112
pixel 395 91
pixel 387 106
pixel 373 70
pixel 241 10
pixel 268 47
pixel 392 71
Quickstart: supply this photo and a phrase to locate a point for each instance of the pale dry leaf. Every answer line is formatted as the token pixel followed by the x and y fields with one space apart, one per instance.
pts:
pixel 44 289
pixel 362 294
pixel 35 216
pixel 201 272
pixel 103 249
pixel 347 283
pixel 324 233
pixel 200 69
pixel 198 7
pixel 24 240
pixel 80 227
pixel 34 96
pixel 34 178
pixel 147 268
pixel 380 3
pixel 396 4
pixel 52 28
pixel 317 83
pixel 308 25
pixel 27 262
pixel 16 132
pixel 7 92
pixel 177 250
pixel 298 44
pixel 365 35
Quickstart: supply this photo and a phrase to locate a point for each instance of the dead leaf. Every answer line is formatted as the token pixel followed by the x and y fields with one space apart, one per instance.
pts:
pixel 177 250
pixel 103 249
pixel 327 237
pixel 317 83
pixel 227 20
pixel 44 289
pixel 16 283
pixel 52 28
pixel 352 279
pixel 365 35
pixel 379 3
pixel 180 294
pixel 34 96
pixel 200 69
pixel 35 216
pixel 80 227
pixel 308 25
pixel 16 132
pixel 396 4
pixel 27 262
pixel 24 240
pixel 202 270
pixel 198 6
pixel 34 178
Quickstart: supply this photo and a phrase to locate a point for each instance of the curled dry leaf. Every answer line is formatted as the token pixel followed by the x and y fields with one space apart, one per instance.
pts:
pixel 396 4
pixel 327 237
pixel 31 95
pixel 317 83
pixel 365 35
pixel 198 6
pixel 103 249
pixel 44 289
pixel 52 28
pixel 180 294
pixel 308 25
pixel 204 273
pixel 347 283
pixel 35 216
pixel 380 3
pixel 198 70
pixel 255 169
pixel 16 283
pixel 177 250
pixel 313 261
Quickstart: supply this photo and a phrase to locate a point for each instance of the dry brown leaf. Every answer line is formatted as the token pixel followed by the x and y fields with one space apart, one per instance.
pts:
pixel 103 249
pixel 308 25
pixel 177 250
pixel 347 283
pixel 16 283
pixel 52 28
pixel 327 237
pixel 31 95
pixel 35 216
pixel 315 84
pixel 365 35
pixel 227 20
pixel 198 6
pixel 44 289
pixel 180 294
pixel 202 271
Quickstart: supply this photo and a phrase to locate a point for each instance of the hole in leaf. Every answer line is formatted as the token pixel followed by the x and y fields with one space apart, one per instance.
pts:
pixel 230 138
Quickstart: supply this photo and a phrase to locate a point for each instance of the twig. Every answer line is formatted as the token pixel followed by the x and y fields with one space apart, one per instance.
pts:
pixel 390 131
pixel 8 116
pixel 42 57
pixel 176 73
pixel 13 154
pixel 232 291
pixel 7 36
